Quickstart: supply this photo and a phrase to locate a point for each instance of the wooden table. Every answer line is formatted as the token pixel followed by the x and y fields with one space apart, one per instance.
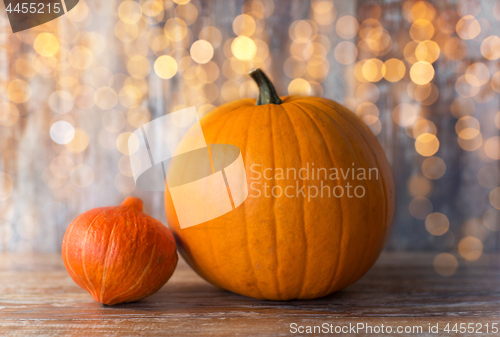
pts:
pixel 38 297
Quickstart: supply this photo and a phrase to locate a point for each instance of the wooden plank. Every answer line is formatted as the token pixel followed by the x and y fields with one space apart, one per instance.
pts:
pixel 39 297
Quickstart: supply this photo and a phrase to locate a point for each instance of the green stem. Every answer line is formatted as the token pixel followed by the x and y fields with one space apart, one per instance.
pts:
pixel 267 93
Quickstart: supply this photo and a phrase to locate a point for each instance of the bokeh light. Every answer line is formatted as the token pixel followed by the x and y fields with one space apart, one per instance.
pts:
pixel 393 70
pixel 437 223
pixel 428 89
pixel 46 44
pixel 433 167
pixel 445 264
pixel 62 132
pixel 243 48
pixel 470 248
pixel 165 67
pixel 422 72
pixel 202 51
pixel 427 144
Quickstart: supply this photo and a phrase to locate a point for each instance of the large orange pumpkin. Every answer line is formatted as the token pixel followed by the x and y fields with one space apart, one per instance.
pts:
pixel 119 254
pixel 300 247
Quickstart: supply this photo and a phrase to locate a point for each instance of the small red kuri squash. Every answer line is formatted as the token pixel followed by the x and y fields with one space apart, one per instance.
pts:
pixel 119 254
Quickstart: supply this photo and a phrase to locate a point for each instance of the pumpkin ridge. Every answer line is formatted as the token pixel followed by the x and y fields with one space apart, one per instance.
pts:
pixel 132 288
pixel 84 265
pixel 207 228
pixel 352 145
pixel 184 252
pixel 383 181
pixel 335 106
pixel 303 201
pixel 353 148
pixel 373 155
pixel 106 260
pixel 245 213
pixel 190 261
pixel 342 232
pixel 383 190
pixel 275 220
pixel 158 243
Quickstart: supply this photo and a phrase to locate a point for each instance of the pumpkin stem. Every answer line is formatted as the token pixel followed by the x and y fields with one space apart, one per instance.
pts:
pixel 135 203
pixel 267 93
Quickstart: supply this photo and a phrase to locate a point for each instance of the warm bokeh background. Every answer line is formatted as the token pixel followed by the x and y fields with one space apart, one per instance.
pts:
pixel 423 75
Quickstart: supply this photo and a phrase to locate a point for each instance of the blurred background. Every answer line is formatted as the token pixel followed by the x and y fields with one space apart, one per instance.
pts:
pixel 424 76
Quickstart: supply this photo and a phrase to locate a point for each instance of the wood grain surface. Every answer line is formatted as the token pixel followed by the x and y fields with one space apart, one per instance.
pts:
pixel 37 296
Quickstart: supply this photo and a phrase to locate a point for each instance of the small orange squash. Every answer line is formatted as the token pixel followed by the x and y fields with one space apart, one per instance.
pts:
pixel 281 247
pixel 119 254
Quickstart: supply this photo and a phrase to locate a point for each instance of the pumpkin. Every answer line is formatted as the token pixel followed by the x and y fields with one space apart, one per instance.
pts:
pixel 119 254
pixel 294 246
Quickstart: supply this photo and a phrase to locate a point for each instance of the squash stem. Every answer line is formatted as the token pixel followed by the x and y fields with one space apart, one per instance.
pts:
pixel 132 202
pixel 267 93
